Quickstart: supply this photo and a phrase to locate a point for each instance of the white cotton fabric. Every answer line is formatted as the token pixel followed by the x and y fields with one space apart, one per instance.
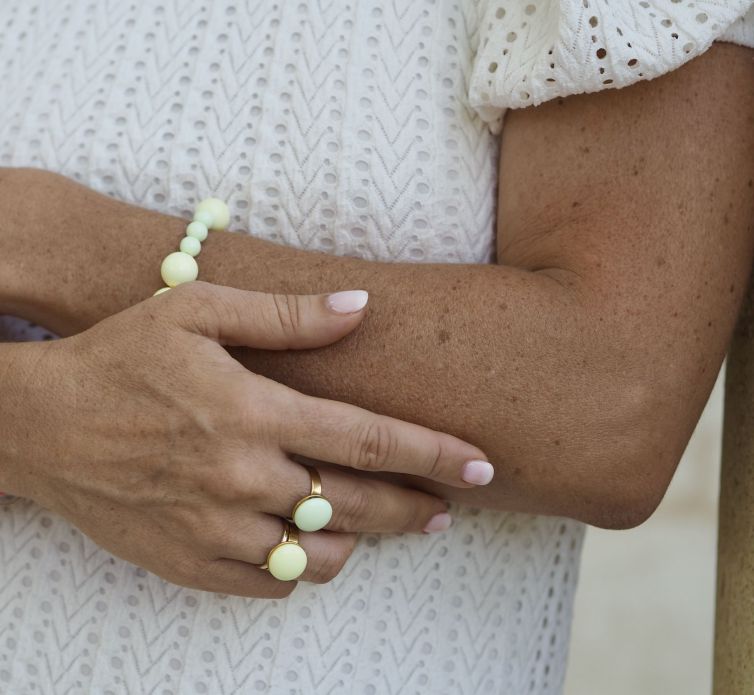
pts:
pixel 341 127
pixel 531 52
pixel 344 127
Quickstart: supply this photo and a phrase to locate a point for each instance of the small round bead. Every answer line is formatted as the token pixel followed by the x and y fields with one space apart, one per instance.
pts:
pixel 205 217
pixel 198 230
pixel 219 211
pixel 191 246
pixel 177 268
pixel 160 291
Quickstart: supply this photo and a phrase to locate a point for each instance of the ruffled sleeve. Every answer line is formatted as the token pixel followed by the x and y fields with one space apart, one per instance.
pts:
pixel 530 52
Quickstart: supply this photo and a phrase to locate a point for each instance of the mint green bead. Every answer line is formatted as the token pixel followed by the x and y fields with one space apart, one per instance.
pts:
pixel 205 217
pixel 160 291
pixel 219 211
pixel 287 562
pixel 312 514
pixel 177 268
pixel 198 230
pixel 191 246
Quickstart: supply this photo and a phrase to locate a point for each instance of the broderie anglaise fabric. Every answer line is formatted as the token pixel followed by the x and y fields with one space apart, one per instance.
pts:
pixel 531 52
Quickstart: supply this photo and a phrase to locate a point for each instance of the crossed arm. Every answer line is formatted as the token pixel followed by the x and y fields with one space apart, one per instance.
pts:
pixel 579 364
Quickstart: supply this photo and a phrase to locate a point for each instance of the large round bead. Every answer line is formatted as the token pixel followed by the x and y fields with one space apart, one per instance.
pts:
pixel 287 562
pixel 204 216
pixel 219 211
pixel 177 268
pixel 312 514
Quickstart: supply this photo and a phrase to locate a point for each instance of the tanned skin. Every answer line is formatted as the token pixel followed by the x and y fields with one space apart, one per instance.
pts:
pixel 579 363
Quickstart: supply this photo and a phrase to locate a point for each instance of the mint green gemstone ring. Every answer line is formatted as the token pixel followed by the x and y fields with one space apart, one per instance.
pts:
pixel 313 512
pixel 287 560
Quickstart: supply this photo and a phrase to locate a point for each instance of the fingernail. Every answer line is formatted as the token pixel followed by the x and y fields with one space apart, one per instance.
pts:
pixel 439 522
pixel 477 472
pixel 348 302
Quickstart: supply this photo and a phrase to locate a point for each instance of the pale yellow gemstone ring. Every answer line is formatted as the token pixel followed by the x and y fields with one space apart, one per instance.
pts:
pixel 287 560
pixel 313 512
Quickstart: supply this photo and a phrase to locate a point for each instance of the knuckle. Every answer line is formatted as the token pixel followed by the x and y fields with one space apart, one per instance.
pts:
pixel 327 565
pixel 228 482
pixel 435 458
pixel 355 507
pixel 261 414
pixel 373 446
pixel 195 290
pixel 190 294
pixel 287 313
pixel 224 306
pixel 191 303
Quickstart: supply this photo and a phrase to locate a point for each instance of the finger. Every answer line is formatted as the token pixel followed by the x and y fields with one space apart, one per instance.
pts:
pixel 360 504
pixel 202 567
pixel 236 317
pixel 250 540
pixel 238 578
pixel 350 436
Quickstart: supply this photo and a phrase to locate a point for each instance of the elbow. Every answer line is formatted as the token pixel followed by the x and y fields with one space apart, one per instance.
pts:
pixel 623 502
pixel 627 475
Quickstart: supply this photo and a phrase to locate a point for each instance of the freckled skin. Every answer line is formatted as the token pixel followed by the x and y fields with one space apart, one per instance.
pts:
pixel 599 346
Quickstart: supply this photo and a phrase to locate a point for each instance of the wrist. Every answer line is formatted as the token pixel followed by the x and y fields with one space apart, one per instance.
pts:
pixel 12 285
pixel 22 414
pixel 72 256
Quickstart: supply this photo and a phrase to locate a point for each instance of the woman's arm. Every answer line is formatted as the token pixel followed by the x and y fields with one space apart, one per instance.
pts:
pixel 580 367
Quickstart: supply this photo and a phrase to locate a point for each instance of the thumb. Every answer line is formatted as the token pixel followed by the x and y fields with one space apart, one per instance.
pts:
pixel 268 321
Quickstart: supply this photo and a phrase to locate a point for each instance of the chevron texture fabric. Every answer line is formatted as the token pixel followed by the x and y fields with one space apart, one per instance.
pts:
pixel 341 126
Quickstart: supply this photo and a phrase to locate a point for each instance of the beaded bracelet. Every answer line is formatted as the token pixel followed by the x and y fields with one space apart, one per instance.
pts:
pixel 181 266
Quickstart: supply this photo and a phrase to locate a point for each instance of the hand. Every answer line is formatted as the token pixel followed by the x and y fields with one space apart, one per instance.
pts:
pixel 148 436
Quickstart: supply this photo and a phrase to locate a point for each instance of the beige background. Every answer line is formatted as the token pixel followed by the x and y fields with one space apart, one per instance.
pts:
pixel 645 603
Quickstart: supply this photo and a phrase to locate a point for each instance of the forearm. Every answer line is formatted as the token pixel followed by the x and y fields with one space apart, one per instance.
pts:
pixel 492 354
pixel 580 368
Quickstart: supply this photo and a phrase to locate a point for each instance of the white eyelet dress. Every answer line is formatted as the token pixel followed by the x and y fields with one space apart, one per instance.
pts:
pixel 355 127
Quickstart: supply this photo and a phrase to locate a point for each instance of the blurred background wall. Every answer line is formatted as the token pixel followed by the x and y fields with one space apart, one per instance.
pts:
pixel 645 604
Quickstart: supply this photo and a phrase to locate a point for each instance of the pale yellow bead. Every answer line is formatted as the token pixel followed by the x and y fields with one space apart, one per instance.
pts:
pixel 198 230
pixel 190 245
pixel 219 211
pixel 205 217
pixel 177 268
pixel 160 291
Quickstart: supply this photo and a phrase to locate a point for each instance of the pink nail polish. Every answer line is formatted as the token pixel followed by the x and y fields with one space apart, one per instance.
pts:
pixel 348 302
pixel 477 472
pixel 439 522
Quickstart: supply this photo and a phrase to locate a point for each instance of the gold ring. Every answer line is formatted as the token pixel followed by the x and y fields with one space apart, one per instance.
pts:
pixel 314 511
pixel 287 560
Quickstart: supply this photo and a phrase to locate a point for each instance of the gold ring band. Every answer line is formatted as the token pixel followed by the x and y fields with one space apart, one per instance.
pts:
pixel 290 535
